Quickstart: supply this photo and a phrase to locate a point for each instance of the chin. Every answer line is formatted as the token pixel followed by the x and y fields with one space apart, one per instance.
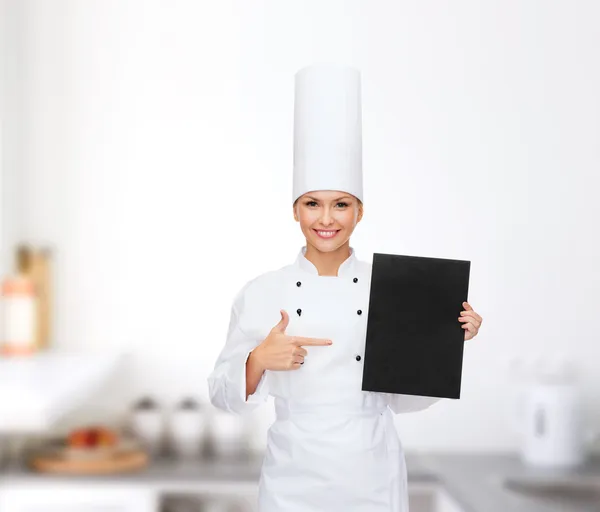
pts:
pixel 326 247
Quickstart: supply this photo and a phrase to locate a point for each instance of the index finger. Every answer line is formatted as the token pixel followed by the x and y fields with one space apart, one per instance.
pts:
pixel 300 341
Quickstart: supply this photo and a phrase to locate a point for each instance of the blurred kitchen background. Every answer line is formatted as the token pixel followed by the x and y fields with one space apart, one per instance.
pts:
pixel 146 174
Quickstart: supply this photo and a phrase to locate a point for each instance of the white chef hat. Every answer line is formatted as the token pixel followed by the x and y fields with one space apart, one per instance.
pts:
pixel 327 130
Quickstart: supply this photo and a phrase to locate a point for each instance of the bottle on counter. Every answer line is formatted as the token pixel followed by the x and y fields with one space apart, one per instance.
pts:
pixel 19 302
pixel 39 270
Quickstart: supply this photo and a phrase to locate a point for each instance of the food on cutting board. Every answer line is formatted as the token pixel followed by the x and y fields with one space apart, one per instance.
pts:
pixel 92 437
pixel 92 449
pixel 89 449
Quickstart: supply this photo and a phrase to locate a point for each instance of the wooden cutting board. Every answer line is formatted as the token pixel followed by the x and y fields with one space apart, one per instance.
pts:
pixel 117 462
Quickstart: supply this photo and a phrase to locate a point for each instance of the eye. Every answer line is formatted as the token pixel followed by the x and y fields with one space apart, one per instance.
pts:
pixel 343 204
pixel 311 203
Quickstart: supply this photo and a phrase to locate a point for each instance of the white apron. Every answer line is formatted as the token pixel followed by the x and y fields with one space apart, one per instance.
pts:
pixel 332 446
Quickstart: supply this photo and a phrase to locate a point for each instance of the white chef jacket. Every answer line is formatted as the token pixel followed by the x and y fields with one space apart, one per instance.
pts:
pixel 332 446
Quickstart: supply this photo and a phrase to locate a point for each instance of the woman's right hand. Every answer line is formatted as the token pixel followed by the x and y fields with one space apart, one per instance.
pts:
pixel 279 351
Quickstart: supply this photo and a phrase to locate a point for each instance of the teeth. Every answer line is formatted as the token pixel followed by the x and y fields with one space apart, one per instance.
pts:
pixel 327 233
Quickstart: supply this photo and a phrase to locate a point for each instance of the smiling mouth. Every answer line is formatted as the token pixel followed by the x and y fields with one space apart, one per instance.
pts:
pixel 328 233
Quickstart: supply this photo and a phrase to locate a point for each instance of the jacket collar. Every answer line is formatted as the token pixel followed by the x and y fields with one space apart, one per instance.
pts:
pixel 346 268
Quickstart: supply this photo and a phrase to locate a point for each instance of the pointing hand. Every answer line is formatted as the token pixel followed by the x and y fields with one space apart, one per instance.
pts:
pixel 282 352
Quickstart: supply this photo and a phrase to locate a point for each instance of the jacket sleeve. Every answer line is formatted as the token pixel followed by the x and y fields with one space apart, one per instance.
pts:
pixel 227 382
pixel 411 403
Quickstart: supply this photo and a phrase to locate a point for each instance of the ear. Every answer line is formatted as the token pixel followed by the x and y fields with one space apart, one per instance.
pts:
pixel 295 213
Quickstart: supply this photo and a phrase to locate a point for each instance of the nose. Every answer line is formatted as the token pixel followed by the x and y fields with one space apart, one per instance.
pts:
pixel 326 219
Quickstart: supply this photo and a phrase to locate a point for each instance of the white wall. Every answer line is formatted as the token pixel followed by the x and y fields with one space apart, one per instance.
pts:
pixel 156 153
pixel 10 137
pixel 3 66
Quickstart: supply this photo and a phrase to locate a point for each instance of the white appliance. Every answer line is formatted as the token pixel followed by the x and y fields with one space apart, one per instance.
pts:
pixel 550 422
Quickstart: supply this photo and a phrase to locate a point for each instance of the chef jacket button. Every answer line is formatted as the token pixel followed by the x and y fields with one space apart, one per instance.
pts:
pixel 358 358
pixel 359 312
pixel 298 283
pixel 355 279
pixel 299 311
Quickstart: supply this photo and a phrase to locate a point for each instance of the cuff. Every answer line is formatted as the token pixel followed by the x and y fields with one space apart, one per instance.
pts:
pixel 262 391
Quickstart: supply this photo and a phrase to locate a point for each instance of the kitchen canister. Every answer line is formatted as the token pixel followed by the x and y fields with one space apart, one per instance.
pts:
pixel 228 434
pixel 148 425
pixel 187 426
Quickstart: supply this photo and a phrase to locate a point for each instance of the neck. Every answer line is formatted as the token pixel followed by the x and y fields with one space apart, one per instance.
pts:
pixel 327 263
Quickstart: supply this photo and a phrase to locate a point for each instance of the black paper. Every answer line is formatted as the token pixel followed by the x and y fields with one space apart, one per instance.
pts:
pixel 414 343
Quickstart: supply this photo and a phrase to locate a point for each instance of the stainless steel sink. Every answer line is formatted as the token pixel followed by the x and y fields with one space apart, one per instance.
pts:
pixel 559 490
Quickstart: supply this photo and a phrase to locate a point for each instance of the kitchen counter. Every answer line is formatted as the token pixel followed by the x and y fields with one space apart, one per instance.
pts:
pixel 474 481
pixel 166 471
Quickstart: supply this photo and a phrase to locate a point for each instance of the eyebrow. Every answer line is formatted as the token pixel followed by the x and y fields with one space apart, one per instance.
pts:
pixel 315 199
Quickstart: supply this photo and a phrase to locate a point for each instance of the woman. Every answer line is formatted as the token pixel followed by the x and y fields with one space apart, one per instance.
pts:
pixel 298 333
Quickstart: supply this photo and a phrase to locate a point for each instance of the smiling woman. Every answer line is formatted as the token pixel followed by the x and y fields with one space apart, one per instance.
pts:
pixel 298 333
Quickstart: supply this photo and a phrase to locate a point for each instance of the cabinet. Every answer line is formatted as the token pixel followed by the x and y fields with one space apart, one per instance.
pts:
pixel 85 497
pixel 168 488
pixel 77 498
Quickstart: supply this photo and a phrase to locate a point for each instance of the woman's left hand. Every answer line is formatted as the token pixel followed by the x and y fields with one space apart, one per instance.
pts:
pixel 472 321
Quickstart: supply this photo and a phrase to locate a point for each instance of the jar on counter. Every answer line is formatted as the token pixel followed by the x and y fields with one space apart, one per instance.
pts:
pixel 147 422
pixel 228 433
pixel 19 316
pixel 188 426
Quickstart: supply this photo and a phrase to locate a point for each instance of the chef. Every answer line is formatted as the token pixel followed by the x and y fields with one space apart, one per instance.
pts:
pixel 298 333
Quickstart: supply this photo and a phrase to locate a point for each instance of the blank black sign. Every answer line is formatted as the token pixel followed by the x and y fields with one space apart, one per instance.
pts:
pixel 414 343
